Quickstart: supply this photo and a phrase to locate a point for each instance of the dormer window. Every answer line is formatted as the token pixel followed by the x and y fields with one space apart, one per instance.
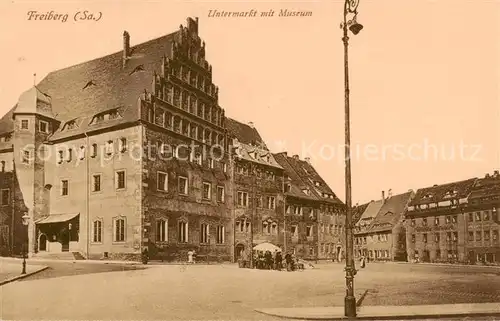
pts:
pixel 305 191
pixel 317 183
pixel 113 114
pixel 70 125
pixel 287 188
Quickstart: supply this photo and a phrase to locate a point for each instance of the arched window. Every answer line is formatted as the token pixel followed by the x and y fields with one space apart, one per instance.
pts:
pixel 161 230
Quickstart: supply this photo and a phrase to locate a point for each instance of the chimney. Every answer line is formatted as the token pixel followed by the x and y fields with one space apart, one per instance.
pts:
pixel 389 193
pixel 308 160
pixel 383 195
pixel 496 173
pixel 295 156
pixel 250 124
pixel 126 46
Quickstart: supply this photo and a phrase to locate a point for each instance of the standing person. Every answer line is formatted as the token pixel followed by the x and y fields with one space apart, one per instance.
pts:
pixel 269 260
pixel 190 256
pixel 362 262
pixel 278 261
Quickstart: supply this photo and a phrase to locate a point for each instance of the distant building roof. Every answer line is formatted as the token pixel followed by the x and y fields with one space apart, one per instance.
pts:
pixel 486 188
pixel 244 133
pixel 256 154
pixel 391 211
pixel 370 213
pixel 297 185
pixel 438 193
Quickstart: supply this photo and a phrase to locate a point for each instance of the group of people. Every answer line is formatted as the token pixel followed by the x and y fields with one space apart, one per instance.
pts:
pixel 267 260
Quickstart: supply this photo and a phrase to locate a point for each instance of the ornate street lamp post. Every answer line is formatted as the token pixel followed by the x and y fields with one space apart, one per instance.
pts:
pixel 350 7
pixel 26 219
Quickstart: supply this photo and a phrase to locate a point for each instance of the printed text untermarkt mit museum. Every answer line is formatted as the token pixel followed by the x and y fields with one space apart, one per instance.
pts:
pixel 213 13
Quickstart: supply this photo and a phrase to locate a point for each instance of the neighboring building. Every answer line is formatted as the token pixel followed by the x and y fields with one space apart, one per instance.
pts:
pixel 382 237
pixel 258 191
pixel 315 215
pixel 482 219
pixel 435 224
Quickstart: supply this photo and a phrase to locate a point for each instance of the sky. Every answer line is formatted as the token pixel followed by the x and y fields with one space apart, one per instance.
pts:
pixel 424 77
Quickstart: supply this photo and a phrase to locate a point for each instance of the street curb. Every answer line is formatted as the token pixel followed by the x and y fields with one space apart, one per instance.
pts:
pixel 385 317
pixel 22 276
pixel 444 264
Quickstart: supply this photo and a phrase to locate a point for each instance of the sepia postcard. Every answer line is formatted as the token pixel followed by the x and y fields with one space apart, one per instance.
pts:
pixel 250 160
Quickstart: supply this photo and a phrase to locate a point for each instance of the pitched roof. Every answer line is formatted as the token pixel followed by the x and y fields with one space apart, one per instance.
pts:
pixel 310 176
pixel 486 188
pixel 113 86
pixel 296 183
pixel 357 211
pixel 244 133
pixel 6 122
pixel 256 154
pixel 390 212
pixel 371 211
pixel 438 193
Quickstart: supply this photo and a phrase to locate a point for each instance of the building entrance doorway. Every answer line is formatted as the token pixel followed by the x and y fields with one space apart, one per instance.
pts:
pixel 42 243
pixel 238 251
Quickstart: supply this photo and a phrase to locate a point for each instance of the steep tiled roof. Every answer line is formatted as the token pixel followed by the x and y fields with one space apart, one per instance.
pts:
pixel 6 123
pixel 244 133
pixel 310 176
pixel 256 154
pixel 437 193
pixel 114 86
pixel 486 188
pixel 371 211
pixel 392 210
pixel 357 211
pixel 296 183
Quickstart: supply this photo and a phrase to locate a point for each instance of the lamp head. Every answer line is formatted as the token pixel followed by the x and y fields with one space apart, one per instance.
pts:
pixel 25 219
pixel 355 27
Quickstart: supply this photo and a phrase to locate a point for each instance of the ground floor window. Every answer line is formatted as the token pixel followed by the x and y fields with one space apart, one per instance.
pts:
pixel 161 230
pixel 119 230
pixel 182 232
pixel 97 231
pixel 221 237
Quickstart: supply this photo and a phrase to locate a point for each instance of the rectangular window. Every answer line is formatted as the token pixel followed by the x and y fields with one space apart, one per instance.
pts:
pixel 471 236
pixel 412 222
pixel 454 219
pixel 183 185
pixel 437 237
pixel 161 230
pixel 60 156
pixel 287 209
pixel 486 216
pixel 81 153
pixel 204 233
pixel 487 235
pixel 495 235
pixel 424 221
pixel 447 220
pixel 224 167
pixel 271 202
pixel 119 230
pixel 24 124
pixel 5 197
pixel 425 237
pixel 412 238
pixel 309 231
pixel 478 216
pixel 478 236
pixel 436 221
pixel 438 254
pixel 455 236
pixel 471 217
pixel 243 199
pixel 182 232
pixel 162 181
pixel 294 230
pixel 211 163
pixel 94 150
pixel 64 187
pixel 97 231
pixel 221 235
pixel 123 145
pixel 448 236
pixel 43 126
pixel 207 190
pixel 96 183
pixel 120 180
pixel 220 194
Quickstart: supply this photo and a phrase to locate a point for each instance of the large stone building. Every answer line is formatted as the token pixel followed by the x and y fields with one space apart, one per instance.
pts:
pixel 315 217
pixel 482 221
pixel 435 222
pixel 132 151
pixel 380 234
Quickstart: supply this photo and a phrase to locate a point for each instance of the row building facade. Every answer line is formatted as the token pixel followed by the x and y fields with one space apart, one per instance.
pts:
pixel 132 151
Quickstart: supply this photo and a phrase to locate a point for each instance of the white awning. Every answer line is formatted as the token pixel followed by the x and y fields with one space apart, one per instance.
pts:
pixel 57 218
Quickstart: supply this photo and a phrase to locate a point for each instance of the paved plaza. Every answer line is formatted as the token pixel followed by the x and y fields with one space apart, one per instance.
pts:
pixel 225 292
